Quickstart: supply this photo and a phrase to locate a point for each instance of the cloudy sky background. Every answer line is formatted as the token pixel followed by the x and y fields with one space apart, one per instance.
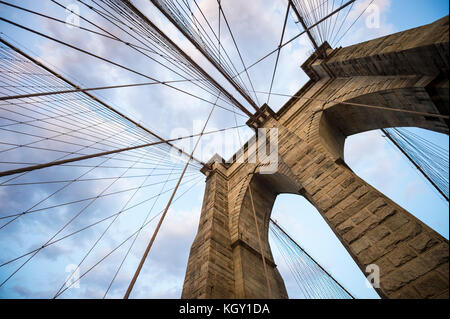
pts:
pixel 257 27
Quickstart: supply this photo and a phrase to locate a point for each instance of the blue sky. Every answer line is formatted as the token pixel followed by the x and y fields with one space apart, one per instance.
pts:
pixel 257 26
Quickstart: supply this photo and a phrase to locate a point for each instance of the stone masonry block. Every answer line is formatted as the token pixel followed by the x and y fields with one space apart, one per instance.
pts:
pixel 431 285
pixel 422 242
pixel 437 255
pixel 385 265
pixel 396 221
pixel 377 204
pixel 360 217
pixel 377 234
pixel 370 255
pixel 401 255
pixel 359 245
pixel 345 227
pixel 395 280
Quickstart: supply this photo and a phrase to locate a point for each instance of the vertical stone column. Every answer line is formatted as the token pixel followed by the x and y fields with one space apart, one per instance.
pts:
pixel 209 272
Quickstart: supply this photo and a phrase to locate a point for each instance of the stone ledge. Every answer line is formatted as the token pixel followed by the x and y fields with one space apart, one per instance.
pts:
pixel 260 117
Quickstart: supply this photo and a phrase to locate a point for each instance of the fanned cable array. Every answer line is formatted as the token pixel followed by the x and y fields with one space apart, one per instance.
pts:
pixel 313 280
pixel 430 158
pixel 160 48
pixel 194 24
pixel 125 24
pixel 335 18
pixel 73 158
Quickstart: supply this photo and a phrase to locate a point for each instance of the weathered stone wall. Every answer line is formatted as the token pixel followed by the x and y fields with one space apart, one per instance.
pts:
pixel 405 71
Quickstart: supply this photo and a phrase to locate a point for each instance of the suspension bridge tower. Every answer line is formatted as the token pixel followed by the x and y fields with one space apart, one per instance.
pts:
pixel 400 80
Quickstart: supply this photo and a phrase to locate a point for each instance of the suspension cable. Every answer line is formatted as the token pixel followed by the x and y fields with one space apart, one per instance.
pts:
pixel 144 257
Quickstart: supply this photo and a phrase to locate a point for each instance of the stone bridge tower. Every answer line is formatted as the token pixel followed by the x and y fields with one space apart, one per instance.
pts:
pixel 403 71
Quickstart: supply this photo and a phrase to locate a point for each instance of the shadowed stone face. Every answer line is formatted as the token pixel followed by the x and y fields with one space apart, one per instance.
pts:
pixel 354 90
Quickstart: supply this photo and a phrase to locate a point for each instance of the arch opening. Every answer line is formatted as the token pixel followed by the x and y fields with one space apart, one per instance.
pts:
pixel 307 227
